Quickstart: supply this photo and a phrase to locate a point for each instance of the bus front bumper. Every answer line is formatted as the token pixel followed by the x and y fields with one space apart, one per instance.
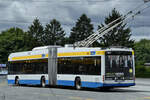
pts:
pixel 118 84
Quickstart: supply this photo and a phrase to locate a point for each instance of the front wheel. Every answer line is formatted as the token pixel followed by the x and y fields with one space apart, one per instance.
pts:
pixel 78 84
pixel 43 83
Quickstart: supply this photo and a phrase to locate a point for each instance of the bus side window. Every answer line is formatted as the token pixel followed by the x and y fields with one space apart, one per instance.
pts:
pixel 91 69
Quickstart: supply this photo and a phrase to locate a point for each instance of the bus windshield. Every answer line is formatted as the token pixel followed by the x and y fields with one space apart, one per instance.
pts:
pixel 115 61
pixel 119 62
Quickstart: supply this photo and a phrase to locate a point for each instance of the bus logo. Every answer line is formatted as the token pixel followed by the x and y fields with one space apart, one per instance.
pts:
pixel 43 55
pixel 93 52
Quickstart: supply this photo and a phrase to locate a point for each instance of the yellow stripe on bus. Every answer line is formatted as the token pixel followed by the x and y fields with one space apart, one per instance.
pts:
pixel 27 57
pixel 59 55
pixel 100 52
pixel 73 54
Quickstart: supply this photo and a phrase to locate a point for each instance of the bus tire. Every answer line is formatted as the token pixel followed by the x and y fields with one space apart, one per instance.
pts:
pixel 17 81
pixel 78 83
pixel 43 82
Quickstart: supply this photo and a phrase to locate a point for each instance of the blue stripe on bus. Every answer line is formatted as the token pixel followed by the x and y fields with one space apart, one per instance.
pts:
pixel 11 81
pixel 84 84
pixel 32 82
pixel 65 83
pixel 59 82
pixel 71 83
pixel 119 84
pixel 92 84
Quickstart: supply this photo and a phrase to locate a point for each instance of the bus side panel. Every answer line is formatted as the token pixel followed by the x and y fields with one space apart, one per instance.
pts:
pixel 65 79
pixel 27 79
pixel 11 79
pixel 90 81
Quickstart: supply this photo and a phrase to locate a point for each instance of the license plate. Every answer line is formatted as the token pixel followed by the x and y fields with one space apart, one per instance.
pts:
pixel 119 81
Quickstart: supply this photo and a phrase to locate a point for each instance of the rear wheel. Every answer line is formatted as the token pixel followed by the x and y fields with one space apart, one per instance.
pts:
pixel 43 83
pixel 17 81
pixel 78 84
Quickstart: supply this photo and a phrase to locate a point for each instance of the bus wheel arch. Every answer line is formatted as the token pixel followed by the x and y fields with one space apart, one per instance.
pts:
pixel 43 81
pixel 17 80
pixel 77 83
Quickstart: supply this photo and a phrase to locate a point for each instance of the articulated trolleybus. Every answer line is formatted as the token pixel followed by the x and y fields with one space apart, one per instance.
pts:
pixel 68 66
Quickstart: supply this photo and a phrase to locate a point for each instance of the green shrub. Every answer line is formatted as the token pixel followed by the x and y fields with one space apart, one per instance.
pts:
pixel 142 72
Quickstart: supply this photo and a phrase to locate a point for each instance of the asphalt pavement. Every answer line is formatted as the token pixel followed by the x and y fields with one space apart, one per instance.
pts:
pixel 9 92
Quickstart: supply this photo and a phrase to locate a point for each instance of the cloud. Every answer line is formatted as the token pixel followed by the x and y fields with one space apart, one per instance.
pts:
pixel 21 13
pixel 138 38
pixel 141 31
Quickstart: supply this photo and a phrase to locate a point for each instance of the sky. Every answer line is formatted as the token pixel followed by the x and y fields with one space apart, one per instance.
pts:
pixel 21 13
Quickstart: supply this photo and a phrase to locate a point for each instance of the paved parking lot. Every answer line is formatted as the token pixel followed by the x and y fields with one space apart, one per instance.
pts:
pixel 139 92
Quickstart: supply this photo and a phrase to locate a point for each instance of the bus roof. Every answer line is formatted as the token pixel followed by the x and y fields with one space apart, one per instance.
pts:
pixel 42 52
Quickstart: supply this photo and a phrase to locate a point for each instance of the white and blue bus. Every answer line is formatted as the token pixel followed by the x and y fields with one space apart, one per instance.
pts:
pixel 77 67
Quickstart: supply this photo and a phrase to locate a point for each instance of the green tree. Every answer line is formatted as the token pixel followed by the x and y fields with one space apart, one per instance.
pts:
pixel 142 51
pixel 35 34
pixel 119 36
pixel 142 55
pixel 82 29
pixel 54 33
pixel 11 40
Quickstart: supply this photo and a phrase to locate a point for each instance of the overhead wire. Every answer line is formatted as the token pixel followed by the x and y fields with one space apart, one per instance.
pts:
pixel 88 41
